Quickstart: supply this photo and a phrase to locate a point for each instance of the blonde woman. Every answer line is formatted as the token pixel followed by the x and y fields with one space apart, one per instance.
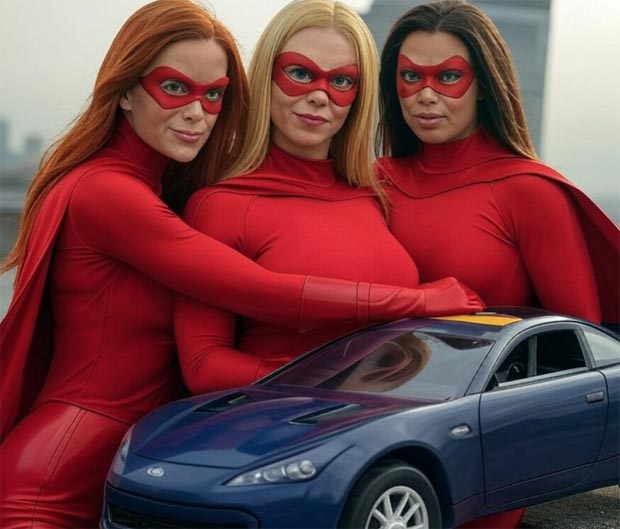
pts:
pixel 302 197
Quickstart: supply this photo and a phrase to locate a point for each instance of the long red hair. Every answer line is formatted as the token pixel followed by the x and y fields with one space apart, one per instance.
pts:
pixel 143 36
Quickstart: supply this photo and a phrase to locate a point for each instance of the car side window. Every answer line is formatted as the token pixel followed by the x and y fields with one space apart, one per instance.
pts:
pixel 605 349
pixel 542 354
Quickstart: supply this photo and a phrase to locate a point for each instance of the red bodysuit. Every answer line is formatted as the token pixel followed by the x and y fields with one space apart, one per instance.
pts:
pixel 94 288
pixel 471 210
pixel 510 228
pixel 290 215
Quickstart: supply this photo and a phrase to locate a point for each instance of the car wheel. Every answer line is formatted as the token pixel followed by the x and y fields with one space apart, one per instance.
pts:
pixel 392 495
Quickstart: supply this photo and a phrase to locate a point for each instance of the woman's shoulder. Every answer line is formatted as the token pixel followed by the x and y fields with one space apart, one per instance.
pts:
pixel 215 197
pixel 101 178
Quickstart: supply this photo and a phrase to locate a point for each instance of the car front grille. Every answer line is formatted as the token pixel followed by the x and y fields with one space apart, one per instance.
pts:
pixel 134 520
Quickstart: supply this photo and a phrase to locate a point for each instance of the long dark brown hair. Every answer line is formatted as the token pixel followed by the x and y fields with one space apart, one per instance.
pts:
pixel 500 111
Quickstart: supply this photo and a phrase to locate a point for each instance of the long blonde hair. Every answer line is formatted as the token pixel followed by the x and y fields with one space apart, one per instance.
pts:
pixel 351 147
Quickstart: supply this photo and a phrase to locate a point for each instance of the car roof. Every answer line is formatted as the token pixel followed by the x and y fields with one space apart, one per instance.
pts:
pixel 490 324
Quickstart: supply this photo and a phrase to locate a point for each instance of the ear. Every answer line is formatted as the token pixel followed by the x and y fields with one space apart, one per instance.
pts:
pixel 125 101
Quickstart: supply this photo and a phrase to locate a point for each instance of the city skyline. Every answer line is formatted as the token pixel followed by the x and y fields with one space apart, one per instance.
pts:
pixel 31 146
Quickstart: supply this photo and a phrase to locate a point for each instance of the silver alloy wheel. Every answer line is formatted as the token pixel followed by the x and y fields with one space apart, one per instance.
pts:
pixel 398 508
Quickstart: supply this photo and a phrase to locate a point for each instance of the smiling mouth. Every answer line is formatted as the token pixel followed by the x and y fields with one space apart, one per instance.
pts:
pixel 188 132
pixel 188 135
pixel 312 119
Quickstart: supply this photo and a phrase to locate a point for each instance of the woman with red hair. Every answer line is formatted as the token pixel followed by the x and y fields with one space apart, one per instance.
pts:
pixel 87 346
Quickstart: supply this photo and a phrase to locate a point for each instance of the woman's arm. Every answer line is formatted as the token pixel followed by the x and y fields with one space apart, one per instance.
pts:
pixel 205 337
pixel 120 216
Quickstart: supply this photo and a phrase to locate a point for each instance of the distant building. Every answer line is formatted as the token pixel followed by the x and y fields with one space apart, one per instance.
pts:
pixel 33 147
pixel 523 23
pixel 16 172
pixel 4 140
pixel 17 168
pixel 17 164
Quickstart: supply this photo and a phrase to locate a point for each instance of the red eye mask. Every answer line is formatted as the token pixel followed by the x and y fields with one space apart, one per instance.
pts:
pixel 321 80
pixel 193 91
pixel 432 76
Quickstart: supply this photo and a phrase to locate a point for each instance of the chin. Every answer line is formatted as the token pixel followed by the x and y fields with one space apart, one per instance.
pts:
pixel 184 156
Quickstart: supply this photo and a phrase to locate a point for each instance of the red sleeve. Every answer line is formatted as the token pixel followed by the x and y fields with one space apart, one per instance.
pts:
pixel 205 337
pixel 551 243
pixel 118 215
pixel 205 334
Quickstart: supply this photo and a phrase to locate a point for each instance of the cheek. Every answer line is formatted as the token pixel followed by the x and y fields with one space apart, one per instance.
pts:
pixel 465 106
pixel 211 119
pixel 404 104
pixel 340 114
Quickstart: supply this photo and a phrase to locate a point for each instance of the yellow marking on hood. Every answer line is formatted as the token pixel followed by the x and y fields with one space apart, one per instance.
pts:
pixel 498 320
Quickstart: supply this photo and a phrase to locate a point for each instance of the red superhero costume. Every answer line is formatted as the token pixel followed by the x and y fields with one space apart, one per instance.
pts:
pixel 289 215
pixel 102 258
pixel 513 229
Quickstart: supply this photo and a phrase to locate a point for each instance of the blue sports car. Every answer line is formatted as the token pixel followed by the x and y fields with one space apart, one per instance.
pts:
pixel 419 423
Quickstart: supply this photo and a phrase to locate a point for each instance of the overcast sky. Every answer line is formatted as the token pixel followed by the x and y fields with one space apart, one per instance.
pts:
pixel 50 51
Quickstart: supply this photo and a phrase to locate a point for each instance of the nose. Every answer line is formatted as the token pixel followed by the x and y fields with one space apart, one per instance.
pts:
pixel 427 95
pixel 318 97
pixel 193 111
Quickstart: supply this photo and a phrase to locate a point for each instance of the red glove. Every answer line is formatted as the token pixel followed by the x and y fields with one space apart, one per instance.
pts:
pixel 449 296
pixel 326 300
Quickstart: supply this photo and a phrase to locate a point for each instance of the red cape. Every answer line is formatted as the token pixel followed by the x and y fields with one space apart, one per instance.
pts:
pixel 602 235
pixel 26 342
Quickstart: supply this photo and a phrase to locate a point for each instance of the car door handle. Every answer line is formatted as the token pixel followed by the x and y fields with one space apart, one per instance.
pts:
pixel 595 397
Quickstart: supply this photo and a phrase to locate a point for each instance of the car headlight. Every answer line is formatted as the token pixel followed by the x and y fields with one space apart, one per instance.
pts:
pixel 281 472
pixel 118 463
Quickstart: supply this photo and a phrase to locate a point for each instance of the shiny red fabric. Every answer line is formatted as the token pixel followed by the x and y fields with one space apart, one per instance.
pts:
pixel 513 229
pixel 102 258
pixel 91 315
pixel 290 215
pixel 54 465
pixel 115 248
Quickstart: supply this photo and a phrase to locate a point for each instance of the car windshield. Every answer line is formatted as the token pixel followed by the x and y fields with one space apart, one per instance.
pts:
pixel 421 364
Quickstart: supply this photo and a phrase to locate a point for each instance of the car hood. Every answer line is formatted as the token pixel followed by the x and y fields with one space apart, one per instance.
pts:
pixel 237 428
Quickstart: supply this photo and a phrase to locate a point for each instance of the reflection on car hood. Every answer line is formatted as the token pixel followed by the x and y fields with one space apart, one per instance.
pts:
pixel 237 428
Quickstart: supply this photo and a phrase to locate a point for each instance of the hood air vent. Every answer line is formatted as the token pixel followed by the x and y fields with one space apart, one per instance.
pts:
pixel 225 403
pixel 327 414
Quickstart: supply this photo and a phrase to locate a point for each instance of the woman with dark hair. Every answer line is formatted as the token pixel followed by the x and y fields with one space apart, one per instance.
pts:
pixel 469 196
pixel 303 197
pixel 87 347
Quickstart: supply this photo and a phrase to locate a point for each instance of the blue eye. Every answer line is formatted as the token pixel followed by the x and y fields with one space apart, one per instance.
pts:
pixel 214 95
pixel 409 76
pixel 298 74
pixel 342 82
pixel 450 76
pixel 173 87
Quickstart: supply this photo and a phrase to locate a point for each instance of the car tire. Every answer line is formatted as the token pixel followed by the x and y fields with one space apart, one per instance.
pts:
pixel 392 494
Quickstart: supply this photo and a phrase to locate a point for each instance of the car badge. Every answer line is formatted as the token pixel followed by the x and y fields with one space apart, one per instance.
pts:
pixel 155 472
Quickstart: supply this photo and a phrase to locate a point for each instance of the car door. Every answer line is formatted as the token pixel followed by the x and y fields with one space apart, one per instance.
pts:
pixel 543 418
